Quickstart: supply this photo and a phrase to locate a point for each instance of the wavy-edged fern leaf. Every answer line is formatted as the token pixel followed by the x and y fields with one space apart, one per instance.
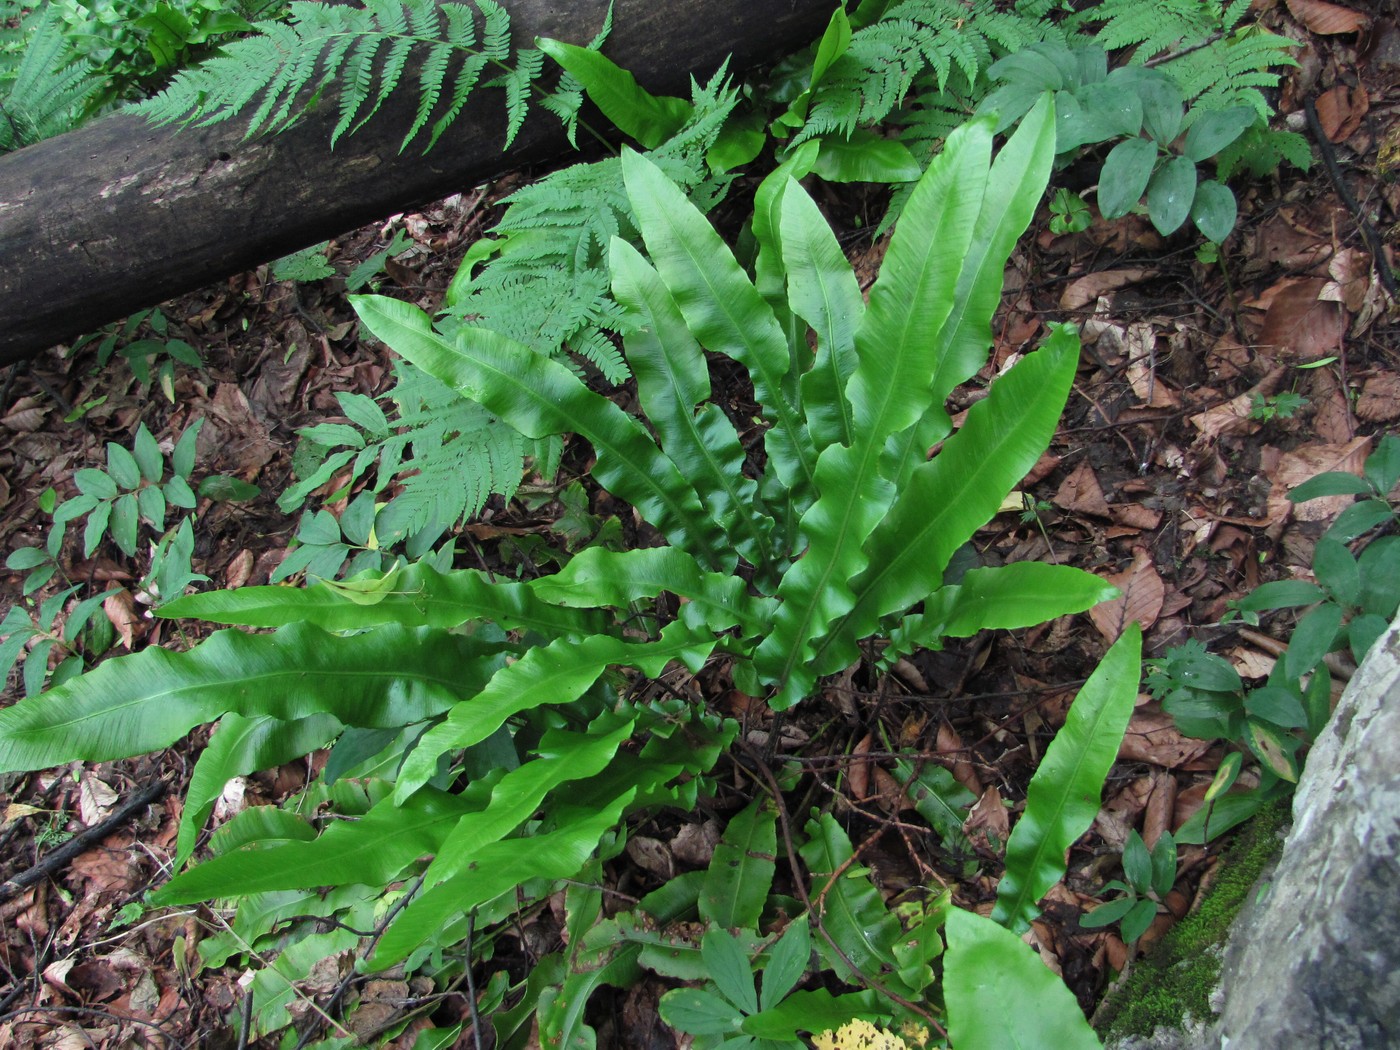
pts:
pixel 1233 70
pixel 49 88
pixel 363 53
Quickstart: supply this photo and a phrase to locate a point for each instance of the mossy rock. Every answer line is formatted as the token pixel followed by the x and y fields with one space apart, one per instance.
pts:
pixel 1173 983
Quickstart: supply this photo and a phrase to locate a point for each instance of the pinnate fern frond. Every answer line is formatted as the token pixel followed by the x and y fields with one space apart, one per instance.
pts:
pixel 937 38
pixel 364 54
pixel 49 88
pixel 1163 25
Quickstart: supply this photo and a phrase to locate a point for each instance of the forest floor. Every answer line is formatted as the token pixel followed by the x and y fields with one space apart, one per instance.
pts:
pixel 1169 476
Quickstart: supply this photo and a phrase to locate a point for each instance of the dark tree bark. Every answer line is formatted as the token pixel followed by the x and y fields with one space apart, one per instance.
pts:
pixel 117 216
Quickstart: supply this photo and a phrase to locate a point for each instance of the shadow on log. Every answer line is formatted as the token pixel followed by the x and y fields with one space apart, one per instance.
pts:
pixel 119 215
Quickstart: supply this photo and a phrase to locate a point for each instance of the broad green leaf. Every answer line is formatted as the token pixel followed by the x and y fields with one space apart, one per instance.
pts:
pixel 770 276
pixel 1274 749
pixel 1382 467
pixel 672 380
pixel 1359 518
pixel 983 962
pixel 1312 639
pixel 1015 186
pixel 938 798
pixel 420 596
pixel 822 290
pixel 812 1011
pixel 723 308
pixel 562 757
pixel 1336 569
pixel 1021 594
pixel 1363 632
pixel 554 674
pixel 1215 129
pixel 1380 577
pixel 540 397
pixel 1126 172
pixel 238 747
pixel 698 1012
pixel 126 518
pixel 95 483
pixel 147 454
pixel 1162 105
pixel 787 962
pixel 1107 914
pixel 1214 210
pixel 600 577
pixel 648 118
pixel 888 393
pixel 1170 193
pixel 375 848
pixel 852 911
pixel 1064 793
pixel 1137 862
pixel 741 871
pixel 122 466
pixel 182 458
pixel 499 867
pixel 1333 483
pixel 141 703
pixel 1277 704
pixel 264 826
pixel 864 156
pixel 947 499
pixel 1282 594
pixel 730 968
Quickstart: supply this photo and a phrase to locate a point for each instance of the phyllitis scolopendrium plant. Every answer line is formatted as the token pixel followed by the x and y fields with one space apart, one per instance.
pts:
pixel 506 758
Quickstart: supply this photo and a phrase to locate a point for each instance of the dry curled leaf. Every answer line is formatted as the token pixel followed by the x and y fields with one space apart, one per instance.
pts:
pixel 1141 600
pixel 1327 19
pixel 1085 290
pixel 1080 492
pixel 1307 462
pixel 1380 399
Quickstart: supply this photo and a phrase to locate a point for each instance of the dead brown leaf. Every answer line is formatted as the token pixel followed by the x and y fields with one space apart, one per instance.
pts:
pixel 95 799
pixel 1340 109
pixel 694 844
pixel 1141 600
pixel 1332 422
pixel 1299 324
pixel 1327 19
pixel 1161 803
pixel 1081 492
pixel 950 745
pixel 121 612
pixel 1152 736
pixel 1306 462
pixel 1120 813
pixel 1380 398
pixel 1087 289
pixel 988 818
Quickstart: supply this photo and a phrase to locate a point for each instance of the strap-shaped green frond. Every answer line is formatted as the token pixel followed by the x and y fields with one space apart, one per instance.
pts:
pixel 723 309
pixel 888 393
pixel 413 595
pixel 387 677
pixel 540 397
pixel 362 53
pixel 672 382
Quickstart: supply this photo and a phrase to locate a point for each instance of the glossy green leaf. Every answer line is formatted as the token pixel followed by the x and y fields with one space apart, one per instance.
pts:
pixel 938 798
pixel 740 874
pixel 1162 105
pixel 729 968
pixel 1336 569
pixel 374 848
pixel 1332 483
pixel 724 310
pixel 1021 594
pixel 136 704
pixel 600 577
pixel 1274 749
pixel 1382 467
pixel 823 292
pixel 497 868
pixel 122 466
pixel 813 1011
pixel 95 483
pixel 1138 919
pixel 864 156
pixel 1282 594
pixel 1277 704
pixel 787 962
pixel 541 397
pixel 1064 793
pixel 1107 914
pixel 983 961
pixel 560 757
pixel 1312 639
pixel 1363 632
pixel 947 499
pixel 1214 210
pixel 1137 863
pixel 147 454
pixel 557 673
pixel 1126 172
pixel 698 1012
pixel 238 747
pixel 673 380
pixel 1215 129
pixel 853 914
pixel 648 118
pixel 1380 577
pixel 126 519
pixel 417 595
pixel 1170 194
pixel 888 393
pixel 182 458
pixel 1360 518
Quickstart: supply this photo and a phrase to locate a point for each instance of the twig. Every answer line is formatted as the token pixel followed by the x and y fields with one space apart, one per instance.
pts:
pixel 471 984
pixel 247 1017
pixel 81 841
pixel 1374 244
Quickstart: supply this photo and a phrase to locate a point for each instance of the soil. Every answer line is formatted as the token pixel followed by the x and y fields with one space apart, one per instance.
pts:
pixel 1161 478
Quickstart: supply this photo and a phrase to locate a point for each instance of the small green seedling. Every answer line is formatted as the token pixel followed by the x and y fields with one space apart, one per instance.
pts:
pixel 1069 213
pixel 1280 406
pixel 1150 877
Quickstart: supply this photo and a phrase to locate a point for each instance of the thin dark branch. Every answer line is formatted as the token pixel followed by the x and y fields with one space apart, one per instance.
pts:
pixel 59 857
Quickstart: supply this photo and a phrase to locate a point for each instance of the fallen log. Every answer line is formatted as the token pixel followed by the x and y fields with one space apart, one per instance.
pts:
pixel 120 215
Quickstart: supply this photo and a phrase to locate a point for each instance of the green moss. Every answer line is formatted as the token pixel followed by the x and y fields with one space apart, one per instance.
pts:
pixel 1175 979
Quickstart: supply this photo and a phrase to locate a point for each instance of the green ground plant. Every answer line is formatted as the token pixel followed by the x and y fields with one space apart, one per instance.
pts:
pixel 508 758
